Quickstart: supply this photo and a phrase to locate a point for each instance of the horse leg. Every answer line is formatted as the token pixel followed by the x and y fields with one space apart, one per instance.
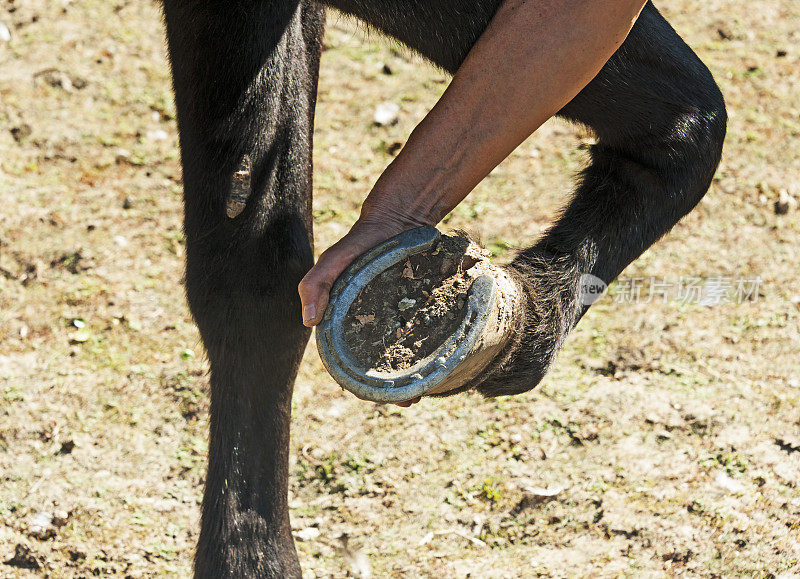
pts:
pixel 660 122
pixel 245 76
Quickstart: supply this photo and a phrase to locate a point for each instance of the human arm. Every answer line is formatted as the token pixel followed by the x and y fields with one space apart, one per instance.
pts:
pixel 533 58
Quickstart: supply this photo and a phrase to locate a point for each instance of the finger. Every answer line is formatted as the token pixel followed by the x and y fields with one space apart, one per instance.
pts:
pixel 315 287
pixel 408 403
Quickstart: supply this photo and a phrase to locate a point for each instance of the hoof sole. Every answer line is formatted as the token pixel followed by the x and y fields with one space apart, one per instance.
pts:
pixel 481 335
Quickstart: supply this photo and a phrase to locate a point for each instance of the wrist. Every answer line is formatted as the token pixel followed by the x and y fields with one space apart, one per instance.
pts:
pixel 415 191
pixel 394 215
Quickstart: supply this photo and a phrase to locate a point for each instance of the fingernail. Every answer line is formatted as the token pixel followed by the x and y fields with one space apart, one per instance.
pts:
pixel 309 313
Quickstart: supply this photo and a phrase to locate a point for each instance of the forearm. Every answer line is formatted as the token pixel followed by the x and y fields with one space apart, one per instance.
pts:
pixel 534 57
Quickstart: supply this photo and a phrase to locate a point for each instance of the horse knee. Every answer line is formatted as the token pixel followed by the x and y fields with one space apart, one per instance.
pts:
pixel 249 286
pixel 703 133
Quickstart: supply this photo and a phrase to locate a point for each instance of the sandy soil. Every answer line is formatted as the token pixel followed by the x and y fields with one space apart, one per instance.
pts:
pixel 665 441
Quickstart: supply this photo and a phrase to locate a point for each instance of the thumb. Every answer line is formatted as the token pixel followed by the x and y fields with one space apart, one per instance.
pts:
pixel 315 287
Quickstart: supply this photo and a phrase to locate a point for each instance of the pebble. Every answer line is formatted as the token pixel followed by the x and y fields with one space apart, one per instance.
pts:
pixel 784 203
pixel 405 304
pixel 157 135
pixel 40 525
pixel 308 534
pixel 41 519
pixel 60 518
pixel 122 155
pixel 55 78
pixel 724 481
pixel 725 33
pixel 386 114
pixel 5 33
pixel 21 132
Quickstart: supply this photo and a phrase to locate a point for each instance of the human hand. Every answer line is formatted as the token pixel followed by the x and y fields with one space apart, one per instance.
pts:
pixel 315 287
pixel 366 233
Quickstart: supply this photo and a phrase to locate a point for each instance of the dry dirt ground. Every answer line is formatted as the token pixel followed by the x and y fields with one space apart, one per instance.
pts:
pixel 665 441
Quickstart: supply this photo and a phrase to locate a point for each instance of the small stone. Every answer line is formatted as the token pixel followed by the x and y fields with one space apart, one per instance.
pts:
pixel 781 53
pixel 55 78
pixel 60 518
pixel 725 33
pixel 386 69
pixel 157 135
pixel 548 493
pixel 5 33
pixel 405 304
pixel 21 132
pixel 386 114
pixel 81 336
pixel 123 155
pixel 308 534
pixel 121 241
pixel 784 203
pixel 40 526
pixel 41 519
pixel 394 148
pixel 725 482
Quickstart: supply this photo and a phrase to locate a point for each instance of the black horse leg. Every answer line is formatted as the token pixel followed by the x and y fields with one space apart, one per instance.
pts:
pixel 660 122
pixel 245 77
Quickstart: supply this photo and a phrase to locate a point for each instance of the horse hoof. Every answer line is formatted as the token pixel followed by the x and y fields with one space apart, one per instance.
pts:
pixel 461 343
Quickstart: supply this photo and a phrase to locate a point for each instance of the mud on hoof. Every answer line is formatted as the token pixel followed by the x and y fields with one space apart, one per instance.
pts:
pixel 550 310
pixel 428 314
pixel 421 314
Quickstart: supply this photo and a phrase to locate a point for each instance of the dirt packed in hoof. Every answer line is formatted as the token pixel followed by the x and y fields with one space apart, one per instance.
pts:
pixel 407 311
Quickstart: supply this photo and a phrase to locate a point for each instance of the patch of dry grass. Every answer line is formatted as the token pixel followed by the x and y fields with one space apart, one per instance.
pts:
pixel 667 430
